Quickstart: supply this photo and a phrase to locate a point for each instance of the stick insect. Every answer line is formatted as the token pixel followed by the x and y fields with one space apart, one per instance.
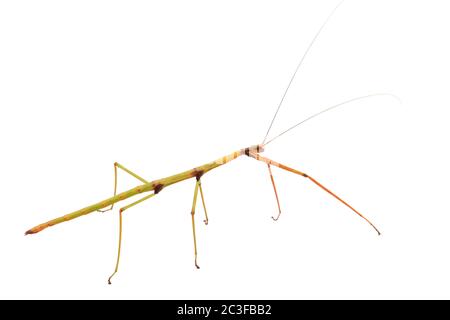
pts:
pixel 156 186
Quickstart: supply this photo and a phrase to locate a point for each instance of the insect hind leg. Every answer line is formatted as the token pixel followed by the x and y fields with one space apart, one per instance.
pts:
pixel 118 165
pixel 120 230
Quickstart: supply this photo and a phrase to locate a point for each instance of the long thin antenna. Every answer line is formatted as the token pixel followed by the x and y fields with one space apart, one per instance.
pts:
pixel 331 108
pixel 298 67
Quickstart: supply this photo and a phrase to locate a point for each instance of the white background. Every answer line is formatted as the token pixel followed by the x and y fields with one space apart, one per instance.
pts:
pixel 162 87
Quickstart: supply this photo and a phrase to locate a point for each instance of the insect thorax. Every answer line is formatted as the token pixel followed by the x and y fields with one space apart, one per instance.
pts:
pixel 257 148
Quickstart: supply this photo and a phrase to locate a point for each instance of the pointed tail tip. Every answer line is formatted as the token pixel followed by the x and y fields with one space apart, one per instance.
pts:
pixel 30 232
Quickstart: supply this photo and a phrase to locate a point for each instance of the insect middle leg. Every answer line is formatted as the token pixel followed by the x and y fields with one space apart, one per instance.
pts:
pixel 203 202
pixel 120 230
pixel 118 165
pixel 194 202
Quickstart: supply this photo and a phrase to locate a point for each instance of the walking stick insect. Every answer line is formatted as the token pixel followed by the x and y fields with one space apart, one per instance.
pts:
pixel 158 185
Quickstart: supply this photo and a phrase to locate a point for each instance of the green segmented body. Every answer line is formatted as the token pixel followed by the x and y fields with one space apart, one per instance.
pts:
pixel 155 186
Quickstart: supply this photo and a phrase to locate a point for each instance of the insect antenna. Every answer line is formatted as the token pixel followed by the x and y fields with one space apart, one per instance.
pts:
pixel 298 67
pixel 331 108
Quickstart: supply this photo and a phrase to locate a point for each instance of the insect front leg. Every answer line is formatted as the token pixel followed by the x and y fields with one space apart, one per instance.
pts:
pixel 276 193
pixel 284 167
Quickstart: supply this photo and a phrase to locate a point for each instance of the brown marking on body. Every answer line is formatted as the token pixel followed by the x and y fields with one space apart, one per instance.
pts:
pixel 158 188
pixel 31 231
pixel 37 229
pixel 198 174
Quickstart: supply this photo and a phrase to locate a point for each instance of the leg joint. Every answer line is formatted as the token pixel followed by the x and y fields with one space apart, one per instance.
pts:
pixel 198 175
